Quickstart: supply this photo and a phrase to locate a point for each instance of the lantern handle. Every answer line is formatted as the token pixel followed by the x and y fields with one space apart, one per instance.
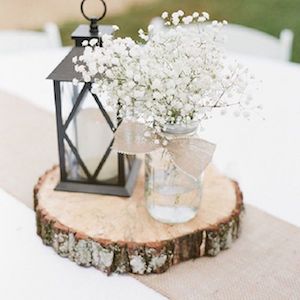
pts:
pixel 93 20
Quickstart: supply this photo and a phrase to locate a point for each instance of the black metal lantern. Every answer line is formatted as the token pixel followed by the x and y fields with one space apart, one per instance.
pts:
pixel 86 128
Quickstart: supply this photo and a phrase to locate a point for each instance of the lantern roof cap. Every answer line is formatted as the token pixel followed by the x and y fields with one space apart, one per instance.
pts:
pixel 82 32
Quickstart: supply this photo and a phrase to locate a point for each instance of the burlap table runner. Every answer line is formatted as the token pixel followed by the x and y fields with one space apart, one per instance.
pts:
pixel 263 264
pixel 27 146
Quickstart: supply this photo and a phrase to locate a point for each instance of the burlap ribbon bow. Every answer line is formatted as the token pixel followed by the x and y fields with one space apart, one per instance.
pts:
pixel 191 155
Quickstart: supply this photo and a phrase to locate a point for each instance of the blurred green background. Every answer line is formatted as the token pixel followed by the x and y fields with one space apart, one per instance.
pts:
pixel 270 16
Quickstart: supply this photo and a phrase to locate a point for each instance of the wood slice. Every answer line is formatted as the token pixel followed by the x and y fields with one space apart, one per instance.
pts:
pixel 117 234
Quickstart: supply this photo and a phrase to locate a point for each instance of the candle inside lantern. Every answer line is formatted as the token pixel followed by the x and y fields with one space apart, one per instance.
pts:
pixel 94 137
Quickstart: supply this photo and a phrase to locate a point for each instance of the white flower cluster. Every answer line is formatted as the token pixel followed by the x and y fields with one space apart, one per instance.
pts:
pixel 180 75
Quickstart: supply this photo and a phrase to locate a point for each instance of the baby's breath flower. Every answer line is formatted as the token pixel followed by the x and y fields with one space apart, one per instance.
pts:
pixel 142 35
pixel 150 27
pixel 175 15
pixel 115 27
pixel 201 19
pixel 175 21
pixel 75 81
pixel 187 20
pixel 93 42
pixel 180 13
pixel 177 77
pixel 164 15
pixel 86 78
pixel 205 15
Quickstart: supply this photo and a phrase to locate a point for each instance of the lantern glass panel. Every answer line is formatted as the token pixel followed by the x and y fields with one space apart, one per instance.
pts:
pixel 91 134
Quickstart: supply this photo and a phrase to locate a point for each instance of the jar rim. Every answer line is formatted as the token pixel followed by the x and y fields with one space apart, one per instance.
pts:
pixel 181 128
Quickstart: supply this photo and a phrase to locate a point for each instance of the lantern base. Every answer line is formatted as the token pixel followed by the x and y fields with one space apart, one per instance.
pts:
pixel 102 189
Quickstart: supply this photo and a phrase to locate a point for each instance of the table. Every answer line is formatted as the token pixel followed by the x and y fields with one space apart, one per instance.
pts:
pixel 263 155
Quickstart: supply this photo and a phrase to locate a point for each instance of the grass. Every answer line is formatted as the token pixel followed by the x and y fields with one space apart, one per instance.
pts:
pixel 270 16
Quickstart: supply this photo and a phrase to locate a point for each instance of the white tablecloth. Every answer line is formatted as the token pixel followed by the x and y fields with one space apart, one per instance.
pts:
pixel 31 271
pixel 264 155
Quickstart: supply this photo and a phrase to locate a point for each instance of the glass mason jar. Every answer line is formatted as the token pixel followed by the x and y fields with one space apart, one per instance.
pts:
pixel 171 195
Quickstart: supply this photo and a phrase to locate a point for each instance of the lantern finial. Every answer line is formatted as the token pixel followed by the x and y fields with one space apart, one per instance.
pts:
pixel 94 20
